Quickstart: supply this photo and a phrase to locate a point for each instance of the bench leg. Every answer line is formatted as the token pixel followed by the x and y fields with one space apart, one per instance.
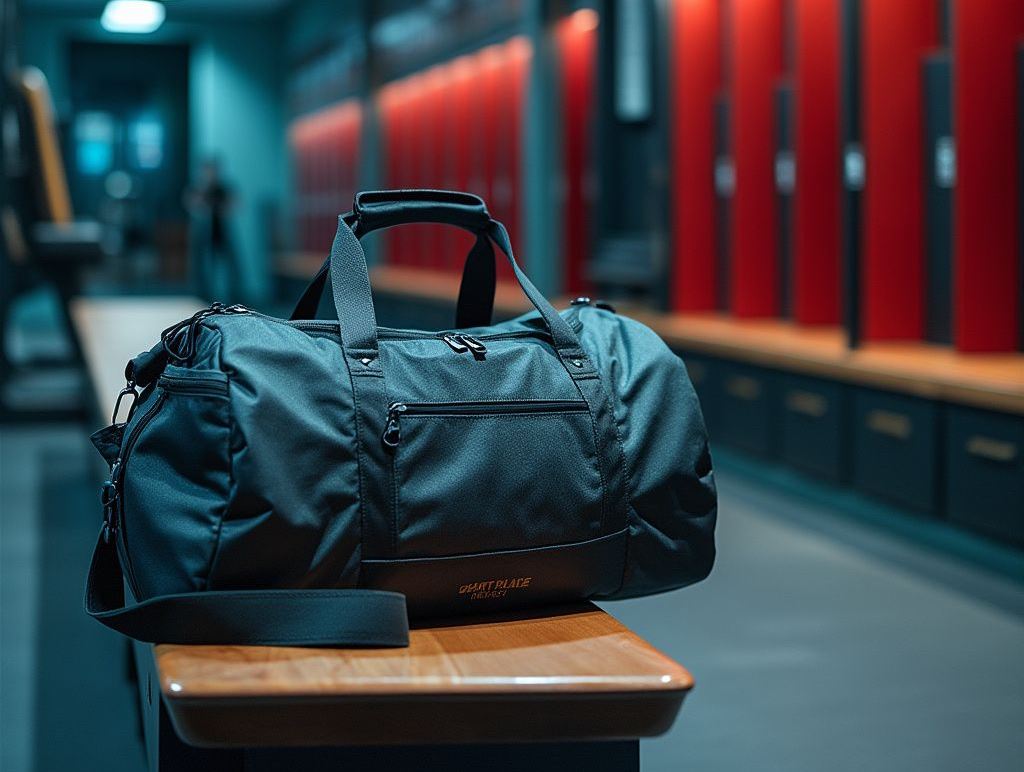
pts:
pixel 622 756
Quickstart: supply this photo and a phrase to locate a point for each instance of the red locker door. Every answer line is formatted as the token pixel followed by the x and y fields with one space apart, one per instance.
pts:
pixel 695 80
pixel 388 105
pixel 519 54
pixel 460 138
pixel 986 209
pixel 756 62
pixel 816 268
pixel 894 38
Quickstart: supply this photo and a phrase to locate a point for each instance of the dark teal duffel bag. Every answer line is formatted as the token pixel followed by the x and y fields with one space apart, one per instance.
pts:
pixel 299 482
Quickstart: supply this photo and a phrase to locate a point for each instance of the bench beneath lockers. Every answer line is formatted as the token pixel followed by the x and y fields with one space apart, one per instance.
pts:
pixel 570 688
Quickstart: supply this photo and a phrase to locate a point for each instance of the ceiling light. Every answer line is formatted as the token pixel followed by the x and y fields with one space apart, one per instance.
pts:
pixel 138 16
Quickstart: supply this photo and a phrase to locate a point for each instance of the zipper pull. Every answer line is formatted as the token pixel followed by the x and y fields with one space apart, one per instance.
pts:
pixel 474 345
pixel 455 344
pixel 393 430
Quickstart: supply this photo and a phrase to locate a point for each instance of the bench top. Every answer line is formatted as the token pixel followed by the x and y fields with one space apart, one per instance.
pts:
pixel 113 330
pixel 573 674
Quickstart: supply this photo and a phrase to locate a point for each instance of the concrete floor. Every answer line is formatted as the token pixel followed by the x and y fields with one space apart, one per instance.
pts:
pixel 818 643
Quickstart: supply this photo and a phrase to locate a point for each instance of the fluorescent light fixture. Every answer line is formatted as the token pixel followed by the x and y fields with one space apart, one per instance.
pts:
pixel 138 16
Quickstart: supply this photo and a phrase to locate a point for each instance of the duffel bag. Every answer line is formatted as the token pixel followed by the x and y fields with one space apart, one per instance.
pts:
pixel 314 482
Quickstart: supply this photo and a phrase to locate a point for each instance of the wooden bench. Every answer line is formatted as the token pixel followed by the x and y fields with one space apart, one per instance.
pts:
pixel 565 689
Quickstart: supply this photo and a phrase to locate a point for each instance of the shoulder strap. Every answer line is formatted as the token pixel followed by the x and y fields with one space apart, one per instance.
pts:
pixel 350 617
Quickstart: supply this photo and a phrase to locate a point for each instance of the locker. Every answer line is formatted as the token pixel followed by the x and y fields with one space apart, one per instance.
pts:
pixel 814 426
pixel 435 104
pixel 724 186
pixel 939 166
pixel 747 417
pixel 986 230
pixel 388 105
pixel 853 173
pixel 577 40
pixel 785 184
pixel 895 37
pixel 519 69
pixel 756 60
pixel 1020 180
pixel 695 79
pixel 985 484
pixel 896 449
pixel 816 201
pixel 461 140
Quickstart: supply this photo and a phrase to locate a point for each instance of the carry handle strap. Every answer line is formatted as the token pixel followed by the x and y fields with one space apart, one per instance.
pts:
pixel 350 617
pixel 376 209
pixel 475 306
pixel 353 300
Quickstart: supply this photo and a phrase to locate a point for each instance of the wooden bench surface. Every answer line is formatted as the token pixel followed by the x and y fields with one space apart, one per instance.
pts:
pixel 113 330
pixel 575 674
pixel 571 674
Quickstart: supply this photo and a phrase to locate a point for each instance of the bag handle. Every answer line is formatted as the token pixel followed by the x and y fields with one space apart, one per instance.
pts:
pixel 349 617
pixel 353 300
pixel 374 210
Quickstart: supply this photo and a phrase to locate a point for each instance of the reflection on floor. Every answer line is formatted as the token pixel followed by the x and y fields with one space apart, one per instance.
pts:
pixel 816 643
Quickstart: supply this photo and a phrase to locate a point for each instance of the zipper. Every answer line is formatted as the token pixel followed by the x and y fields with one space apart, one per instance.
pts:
pixel 117 480
pixel 382 332
pixel 393 430
pixel 192 385
pixel 180 339
pixel 474 345
pixel 455 343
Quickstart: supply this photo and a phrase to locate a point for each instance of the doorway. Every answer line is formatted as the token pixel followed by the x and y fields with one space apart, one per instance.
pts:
pixel 128 154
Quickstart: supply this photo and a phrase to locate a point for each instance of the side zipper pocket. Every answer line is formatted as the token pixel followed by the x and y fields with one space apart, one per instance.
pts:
pixel 117 479
pixel 168 383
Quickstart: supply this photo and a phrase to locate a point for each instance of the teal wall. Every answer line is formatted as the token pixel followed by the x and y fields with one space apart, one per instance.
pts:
pixel 237 109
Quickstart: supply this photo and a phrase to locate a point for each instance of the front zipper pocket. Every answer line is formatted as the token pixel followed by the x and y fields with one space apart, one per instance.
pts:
pixel 393 433
pixel 471 477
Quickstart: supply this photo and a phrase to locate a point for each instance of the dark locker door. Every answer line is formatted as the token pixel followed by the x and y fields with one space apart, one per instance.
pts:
pixel 631 214
pixel 939 177
pixel 785 181
pixel 725 184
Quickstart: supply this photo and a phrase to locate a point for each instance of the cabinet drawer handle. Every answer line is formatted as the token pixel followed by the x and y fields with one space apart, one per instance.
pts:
pixel 806 403
pixel 697 372
pixel 991 449
pixel 891 424
pixel 743 387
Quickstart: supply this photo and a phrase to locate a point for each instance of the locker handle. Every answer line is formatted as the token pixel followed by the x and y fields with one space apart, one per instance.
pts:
pixel 992 449
pixel 743 387
pixel 806 403
pixel 896 425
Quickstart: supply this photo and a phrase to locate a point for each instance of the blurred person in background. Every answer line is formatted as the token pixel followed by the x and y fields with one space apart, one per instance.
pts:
pixel 210 201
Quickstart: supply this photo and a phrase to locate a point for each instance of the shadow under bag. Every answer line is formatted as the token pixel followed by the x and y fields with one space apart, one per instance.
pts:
pixel 312 482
